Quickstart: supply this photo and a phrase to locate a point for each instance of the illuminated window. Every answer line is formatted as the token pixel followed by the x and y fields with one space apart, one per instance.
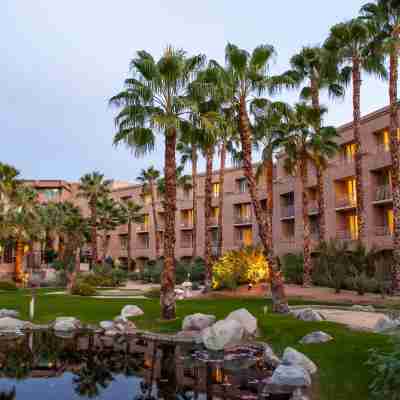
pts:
pixel 242 185
pixel 215 212
pixel 187 217
pixel 245 236
pixel 123 240
pixel 353 226
pixel 352 191
pixel 349 152
pixel 50 194
pixel 146 221
pixel 215 189
pixel 390 220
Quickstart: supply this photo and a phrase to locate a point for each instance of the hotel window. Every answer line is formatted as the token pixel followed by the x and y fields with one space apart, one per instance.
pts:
pixel 352 191
pixel 390 220
pixel 215 189
pixel 123 240
pixel 50 194
pixel 143 241
pixel 215 213
pixel 348 152
pixel 243 212
pixel 245 236
pixel 186 239
pixel 352 223
pixel 242 185
pixel 187 217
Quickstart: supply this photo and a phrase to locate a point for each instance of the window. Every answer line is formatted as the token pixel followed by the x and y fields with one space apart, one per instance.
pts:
pixel 50 194
pixel 123 240
pixel 242 185
pixel 390 220
pixel 352 223
pixel 243 212
pixel 186 193
pixel 143 241
pixel 8 257
pixel 215 189
pixel 352 191
pixel 245 236
pixel 186 239
pixel 348 152
pixel 215 213
pixel 146 221
pixel 187 218
pixel 214 236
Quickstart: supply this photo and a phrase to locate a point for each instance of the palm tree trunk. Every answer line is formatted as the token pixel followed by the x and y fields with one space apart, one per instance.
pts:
pixel 279 301
pixel 320 175
pixel 167 298
pixel 395 168
pixel 155 220
pixel 221 199
pixel 269 176
pixel 357 141
pixel 307 277
pixel 93 236
pixel 207 218
pixel 129 246
pixel 194 193
pixel 19 256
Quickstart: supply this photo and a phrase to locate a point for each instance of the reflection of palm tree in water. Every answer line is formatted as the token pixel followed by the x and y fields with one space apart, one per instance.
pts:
pixel 11 395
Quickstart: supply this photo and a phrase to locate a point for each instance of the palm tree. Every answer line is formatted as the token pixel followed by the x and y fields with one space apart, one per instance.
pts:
pixel 385 17
pixel 110 216
pixel 93 187
pixel 351 44
pixel 303 135
pixel 313 67
pixel 188 148
pixel 132 214
pixel 154 100
pixel 243 77
pixel 148 179
pixel 8 181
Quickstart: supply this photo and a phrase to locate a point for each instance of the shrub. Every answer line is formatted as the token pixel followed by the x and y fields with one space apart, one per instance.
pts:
pixel 386 373
pixel 293 268
pixel 8 285
pixel 238 267
pixel 83 289
pixel 152 271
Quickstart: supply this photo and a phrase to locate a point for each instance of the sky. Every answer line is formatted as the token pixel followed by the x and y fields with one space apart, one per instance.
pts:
pixel 61 60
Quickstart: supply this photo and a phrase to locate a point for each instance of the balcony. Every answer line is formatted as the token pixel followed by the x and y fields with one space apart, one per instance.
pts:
pixel 346 235
pixel 214 221
pixel 243 220
pixel 383 230
pixel 383 194
pixel 161 226
pixel 382 148
pixel 186 243
pixel 313 208
pixel 242 242
pixel 143 246
pixel 287 211
pixel 186 224
pixel 345 202
pixel 142 228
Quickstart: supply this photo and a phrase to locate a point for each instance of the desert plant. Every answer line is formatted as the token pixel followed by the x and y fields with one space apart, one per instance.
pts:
pixel 293 268
pixel 83 289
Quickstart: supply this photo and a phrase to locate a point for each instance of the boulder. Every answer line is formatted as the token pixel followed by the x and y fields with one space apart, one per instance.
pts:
pixel 222 334
pixel 4 312
pixel 179 294
pixel 106 324
pixel 111 332
pixel 295 358
pixel 12 324
pixel 197 322
pixel 308 315
pixel 131 311
pixel 291 375
pixel 248 321
pixel 316 337
pixel 386 324
pixel 66 324
pixel 269 355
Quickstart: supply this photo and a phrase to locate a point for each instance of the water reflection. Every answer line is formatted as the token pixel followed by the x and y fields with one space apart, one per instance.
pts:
pixel 91 365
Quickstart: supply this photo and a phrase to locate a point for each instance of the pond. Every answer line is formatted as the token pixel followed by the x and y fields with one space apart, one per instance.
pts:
pixel 42 365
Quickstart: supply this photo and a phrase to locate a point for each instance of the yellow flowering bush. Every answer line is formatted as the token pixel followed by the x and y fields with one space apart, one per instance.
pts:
pixel 236 267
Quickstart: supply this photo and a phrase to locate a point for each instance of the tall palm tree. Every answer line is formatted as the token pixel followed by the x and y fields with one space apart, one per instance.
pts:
pixel 154 100
pixel 245 76
pixel 351 44
pixel 385 17
pixel 8 181
pixel 188 148
pixel 93 187
pixel 314 68
pixel 304 134
pixel 132 215
pixel 148 178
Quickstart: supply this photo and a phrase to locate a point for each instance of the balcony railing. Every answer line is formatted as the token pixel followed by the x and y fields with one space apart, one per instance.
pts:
pixel 346 202
pixel 186 243
pixel 287 211
pixel 313 207
pixel 214 221
pixel 143 246
pixel 186 224
pixel 345 160
pixel 382 148
pixel 346 235
pixel 243 219
pixel 160 226
pixel 383 192
pixel 242 243
pixel 142 228
pixel 383 230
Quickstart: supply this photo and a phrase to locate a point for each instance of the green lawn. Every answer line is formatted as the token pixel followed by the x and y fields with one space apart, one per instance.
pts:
pixel 343 373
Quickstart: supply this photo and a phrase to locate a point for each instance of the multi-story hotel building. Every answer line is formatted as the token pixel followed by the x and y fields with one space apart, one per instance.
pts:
pixel 239 223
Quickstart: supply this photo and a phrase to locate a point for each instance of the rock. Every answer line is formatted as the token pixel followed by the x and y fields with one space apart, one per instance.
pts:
pixel 106 324
pixel 295 358
pixel 4 312
pixel 316 337
pixel 308 315
pixel 66 324
pixel 131 311
pixel 111 332
pixel 291 375
pixel 248 321
pixel 12 324
pixel 194 335
pixel 358 307
pixel 197 322
pixel 222 334
pixel 179 294
pixel 385 324
pixel 269 356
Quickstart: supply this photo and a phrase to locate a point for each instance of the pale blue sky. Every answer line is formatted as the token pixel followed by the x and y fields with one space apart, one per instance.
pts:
pixel 62 59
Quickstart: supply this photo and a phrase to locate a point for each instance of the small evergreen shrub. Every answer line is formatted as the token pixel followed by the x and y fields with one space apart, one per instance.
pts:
pixel 293 268
pixel 8 285
pixel 83 289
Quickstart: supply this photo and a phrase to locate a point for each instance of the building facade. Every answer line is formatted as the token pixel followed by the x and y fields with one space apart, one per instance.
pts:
pixel 240 227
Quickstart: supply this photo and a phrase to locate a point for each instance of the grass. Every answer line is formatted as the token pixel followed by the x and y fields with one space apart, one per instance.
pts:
pixel 343 373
